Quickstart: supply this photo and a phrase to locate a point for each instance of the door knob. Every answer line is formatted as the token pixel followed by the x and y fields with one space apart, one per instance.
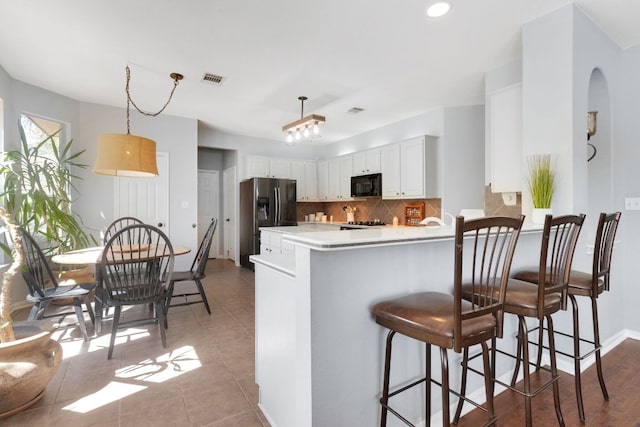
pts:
pixel 193 225
pixel 227 219
pixel 160 224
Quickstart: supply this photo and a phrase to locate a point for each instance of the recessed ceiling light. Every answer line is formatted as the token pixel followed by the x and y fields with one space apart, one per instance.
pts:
pixel 438 9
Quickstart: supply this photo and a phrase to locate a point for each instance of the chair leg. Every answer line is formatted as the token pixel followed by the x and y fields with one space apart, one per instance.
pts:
pixel 384 400
pixel 87 304
pixel 463 384
pixel 488 382
pixel 554 371
pixel 160 314
pixel 169 296
pixel 427 376
pixel 596 340
pixel 114 330
pixel 540 343
pixel 444 366
pixel 33 313
pixel 203 295
pixel 77 307
pixel 518 357
pixel 576 357
pixel 524 349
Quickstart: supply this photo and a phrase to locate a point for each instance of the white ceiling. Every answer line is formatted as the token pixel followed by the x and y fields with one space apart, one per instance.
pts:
pixel 383 56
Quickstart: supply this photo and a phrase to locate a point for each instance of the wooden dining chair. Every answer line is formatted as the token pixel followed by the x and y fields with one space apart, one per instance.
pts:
pixel 483 251
pixel 136 264
pixel 195 274
pixel 44 286
pixel 119 224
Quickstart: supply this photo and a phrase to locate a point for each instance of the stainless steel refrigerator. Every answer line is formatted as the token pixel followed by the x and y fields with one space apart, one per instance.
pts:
pixel 264 202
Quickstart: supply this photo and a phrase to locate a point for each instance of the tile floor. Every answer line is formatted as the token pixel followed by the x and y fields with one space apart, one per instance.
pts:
pixel 204 378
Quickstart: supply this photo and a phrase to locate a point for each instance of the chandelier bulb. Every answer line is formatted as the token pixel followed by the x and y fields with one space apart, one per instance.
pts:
pixel 307 132
pixel 316 128
pixel 297 134
pixel 289 136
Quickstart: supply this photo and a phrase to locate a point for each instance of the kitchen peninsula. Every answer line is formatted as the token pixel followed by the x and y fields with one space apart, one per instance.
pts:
pixel 319 353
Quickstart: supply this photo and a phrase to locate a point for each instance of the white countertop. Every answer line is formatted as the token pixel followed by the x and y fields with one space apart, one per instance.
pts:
pixel 325 236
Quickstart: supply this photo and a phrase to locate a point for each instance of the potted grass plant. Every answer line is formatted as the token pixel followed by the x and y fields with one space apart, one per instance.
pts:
pixel 541 186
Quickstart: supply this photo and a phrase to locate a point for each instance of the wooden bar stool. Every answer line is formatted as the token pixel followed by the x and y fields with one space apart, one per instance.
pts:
pixel 524 299
pixel 448 321
pixel 589 285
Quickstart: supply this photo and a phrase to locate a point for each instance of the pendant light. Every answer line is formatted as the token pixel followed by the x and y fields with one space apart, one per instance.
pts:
pixel 130 155
pixel 304 128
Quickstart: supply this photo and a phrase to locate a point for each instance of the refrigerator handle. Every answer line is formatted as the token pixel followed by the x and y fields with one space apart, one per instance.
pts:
pixel 276 194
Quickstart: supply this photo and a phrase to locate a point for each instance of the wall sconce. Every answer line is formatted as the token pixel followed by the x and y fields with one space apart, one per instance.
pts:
pixel 592 128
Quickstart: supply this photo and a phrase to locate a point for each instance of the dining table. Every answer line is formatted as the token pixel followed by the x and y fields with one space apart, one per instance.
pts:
pixel 93 256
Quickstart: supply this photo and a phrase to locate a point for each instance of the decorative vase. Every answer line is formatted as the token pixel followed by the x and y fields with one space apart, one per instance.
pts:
pixel 538 215
pixel 27 365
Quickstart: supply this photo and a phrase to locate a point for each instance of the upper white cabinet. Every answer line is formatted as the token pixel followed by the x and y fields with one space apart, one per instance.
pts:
pixel 268 167
pixel 323 180
pixel 305 174
pixel 340 171
pixel 406 166
pixel 366 162
pixel 504 129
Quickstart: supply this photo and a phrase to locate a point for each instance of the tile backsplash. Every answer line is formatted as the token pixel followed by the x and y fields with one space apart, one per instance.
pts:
pixel 494 204
pixel 368 209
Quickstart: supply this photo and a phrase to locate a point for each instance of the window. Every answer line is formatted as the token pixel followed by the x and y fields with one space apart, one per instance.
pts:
pixel 37 129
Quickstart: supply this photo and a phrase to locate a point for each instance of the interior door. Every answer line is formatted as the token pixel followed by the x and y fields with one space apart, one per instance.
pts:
pixel 208 206
pixel 145 198
pixel 228 224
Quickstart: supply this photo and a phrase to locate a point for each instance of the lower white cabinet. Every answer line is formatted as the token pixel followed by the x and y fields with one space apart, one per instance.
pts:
pixel 271 243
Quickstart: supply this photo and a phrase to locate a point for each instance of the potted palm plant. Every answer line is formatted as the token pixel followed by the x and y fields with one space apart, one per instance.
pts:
pixel 541 186
pixel 36 196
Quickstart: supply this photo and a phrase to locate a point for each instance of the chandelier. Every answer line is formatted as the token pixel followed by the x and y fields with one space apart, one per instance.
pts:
pixel 304 128
pixel 130 155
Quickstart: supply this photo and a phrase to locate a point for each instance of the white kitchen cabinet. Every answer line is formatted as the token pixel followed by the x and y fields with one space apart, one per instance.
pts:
pixel 323 180
pixel 311 180
pixel 270 242
pixel 268 167
pixel 340 169
pixel 366 162
pixel 504 129
pixel 304 172
pixel 405 167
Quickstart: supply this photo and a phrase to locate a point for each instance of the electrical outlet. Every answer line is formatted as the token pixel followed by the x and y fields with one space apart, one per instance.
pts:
pixel 632 204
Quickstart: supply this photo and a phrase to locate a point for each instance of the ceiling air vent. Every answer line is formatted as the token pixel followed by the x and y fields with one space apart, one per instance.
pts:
pixel 355 110
pixel 212 78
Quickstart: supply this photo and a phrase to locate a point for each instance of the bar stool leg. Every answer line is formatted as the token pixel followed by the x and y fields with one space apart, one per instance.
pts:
pixel 463 384
pixel 518 356
pixel 524 347
pixel 554 371
pixel 384 400
pixel 576 358
pixel 488 381
pixel 444 365
pixel 596 340
pixel 427 403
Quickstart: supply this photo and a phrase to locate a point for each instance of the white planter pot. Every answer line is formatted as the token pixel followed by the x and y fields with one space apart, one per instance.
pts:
pixel 538 214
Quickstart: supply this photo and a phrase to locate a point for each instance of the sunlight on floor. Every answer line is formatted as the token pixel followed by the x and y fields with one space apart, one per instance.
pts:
pixel 163 368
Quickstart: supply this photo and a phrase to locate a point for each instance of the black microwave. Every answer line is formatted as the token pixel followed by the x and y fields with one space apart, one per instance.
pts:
pixel 366 185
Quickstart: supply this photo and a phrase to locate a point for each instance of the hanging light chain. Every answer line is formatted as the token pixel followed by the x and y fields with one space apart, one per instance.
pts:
pixel 176 79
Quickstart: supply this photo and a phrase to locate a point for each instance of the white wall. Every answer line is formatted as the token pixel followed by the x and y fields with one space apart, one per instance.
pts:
pixel 429 123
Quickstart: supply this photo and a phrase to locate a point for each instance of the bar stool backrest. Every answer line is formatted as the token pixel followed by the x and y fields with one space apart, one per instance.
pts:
pixel 603 249
pixel 483 262
pixel 559 239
